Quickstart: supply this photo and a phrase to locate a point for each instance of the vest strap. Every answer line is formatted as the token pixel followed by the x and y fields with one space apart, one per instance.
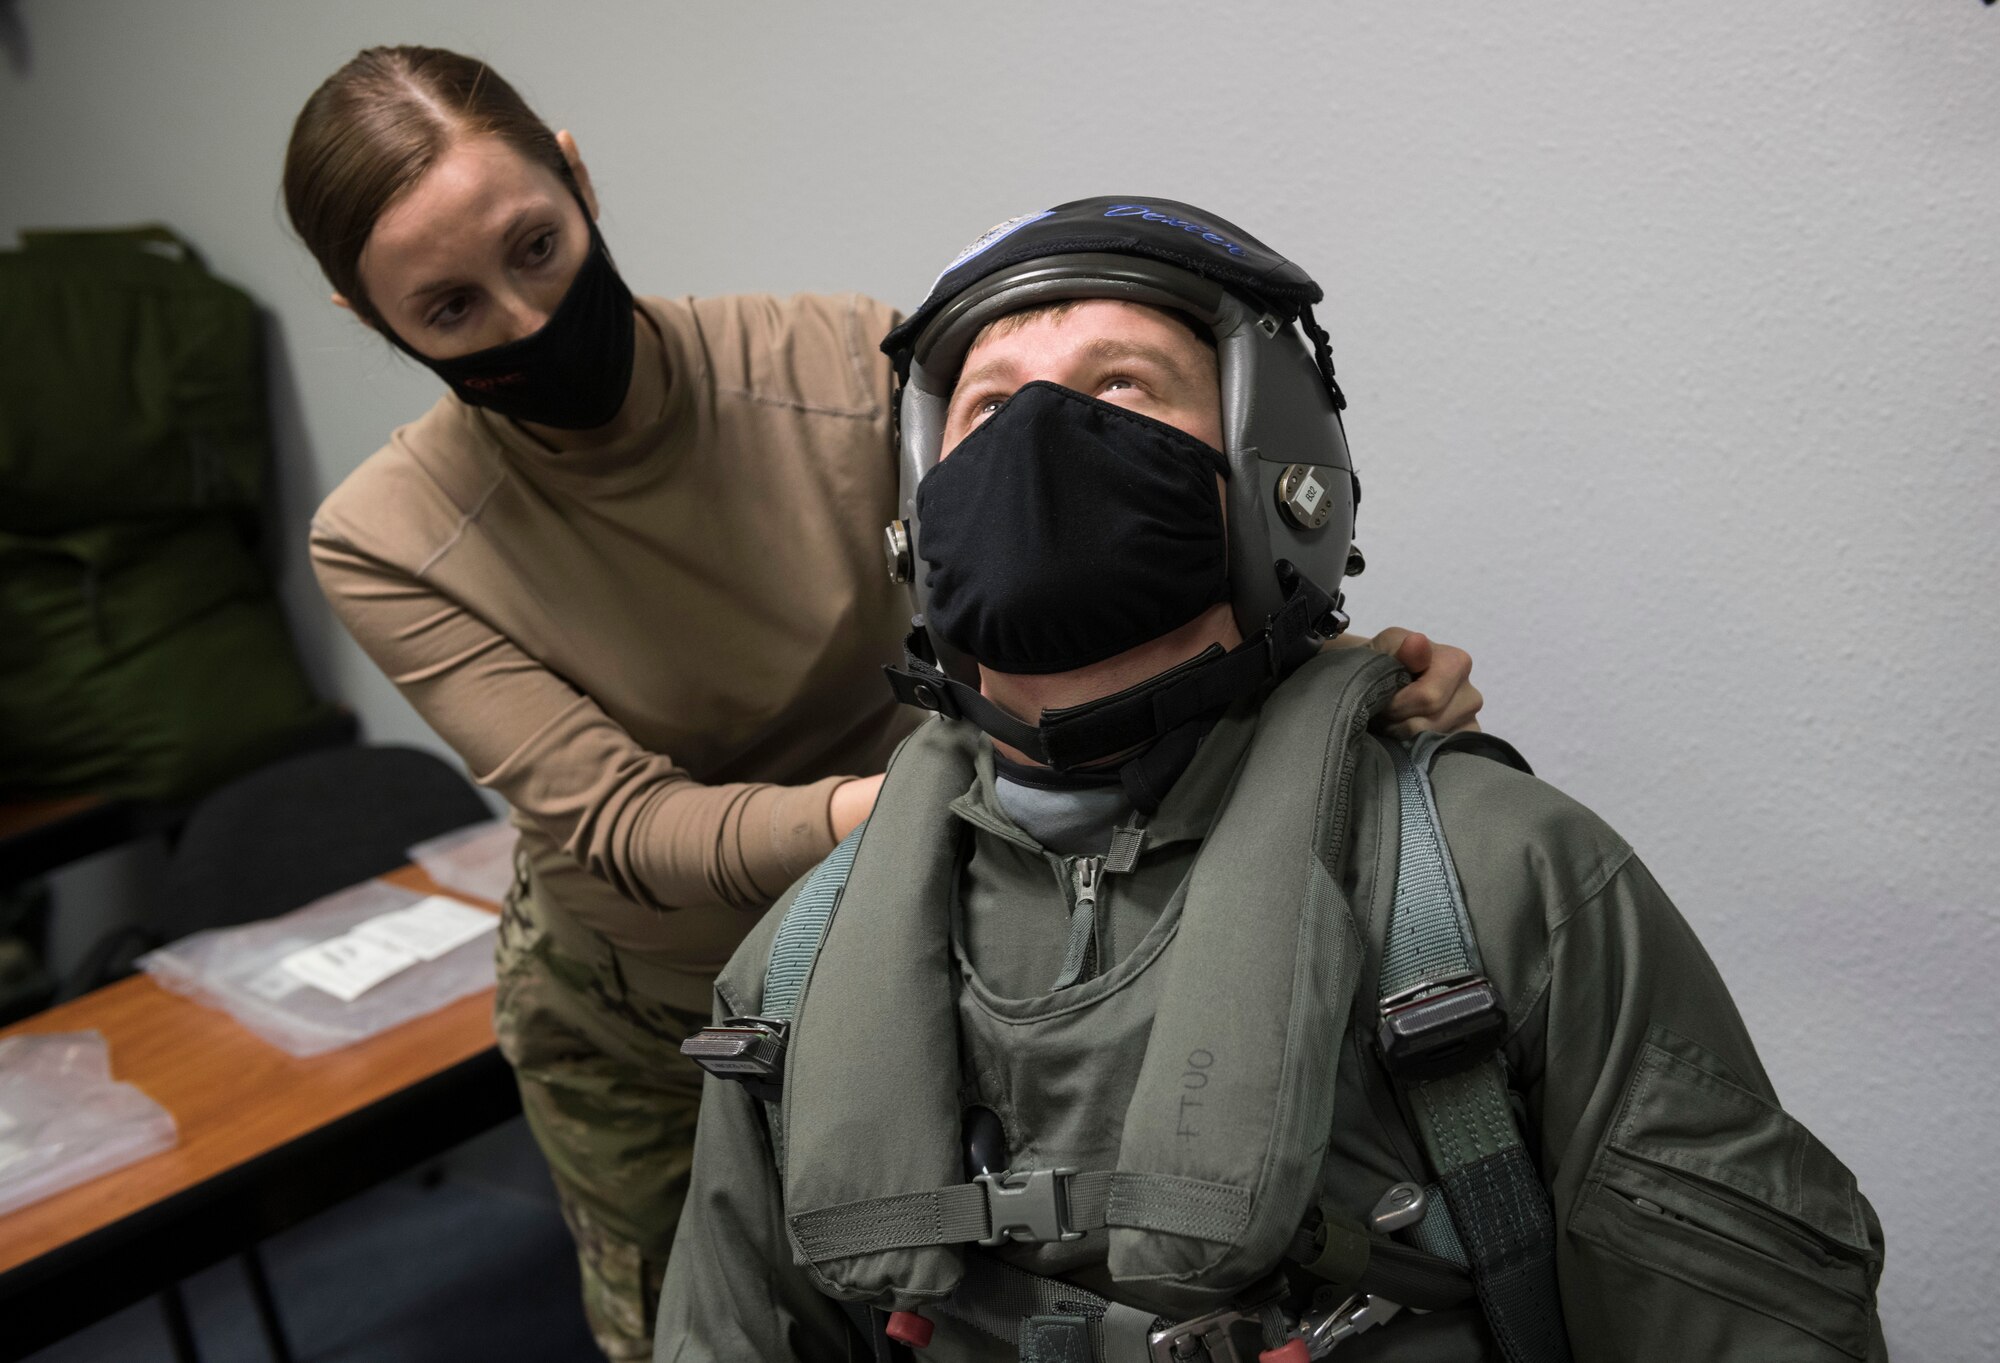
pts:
pixel 1442 1027
pixel 803 926
pixel 751 1051
pixel 1034 1207
pixel 1247 1189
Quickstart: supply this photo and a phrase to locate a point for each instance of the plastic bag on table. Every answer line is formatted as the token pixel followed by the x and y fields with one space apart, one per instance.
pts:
pixel 64 1119
pixel 477 860
pixel 337 971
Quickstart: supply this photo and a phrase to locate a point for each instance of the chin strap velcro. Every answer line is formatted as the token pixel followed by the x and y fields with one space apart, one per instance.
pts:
pixel 1082 734
pixel 1148 777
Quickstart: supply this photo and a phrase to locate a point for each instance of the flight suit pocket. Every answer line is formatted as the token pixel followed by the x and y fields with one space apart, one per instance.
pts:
pixel 1706 1183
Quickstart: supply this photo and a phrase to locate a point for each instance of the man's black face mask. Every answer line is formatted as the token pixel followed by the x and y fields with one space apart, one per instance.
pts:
pixel 572 373
pixel 1065 530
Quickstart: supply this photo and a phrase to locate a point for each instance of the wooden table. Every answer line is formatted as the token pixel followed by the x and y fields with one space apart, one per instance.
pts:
pixel 266 1140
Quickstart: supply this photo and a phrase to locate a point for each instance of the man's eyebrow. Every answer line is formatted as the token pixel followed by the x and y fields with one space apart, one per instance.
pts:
pixel 506 234
pixel 992 369
pixel 1104 350
pixel 1110 349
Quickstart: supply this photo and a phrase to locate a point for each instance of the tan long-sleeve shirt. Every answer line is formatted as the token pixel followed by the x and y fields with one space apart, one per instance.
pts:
pixel 663 652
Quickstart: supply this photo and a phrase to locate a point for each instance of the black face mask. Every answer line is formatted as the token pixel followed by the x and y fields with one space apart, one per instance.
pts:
pixel 572 373
pixel 1065 531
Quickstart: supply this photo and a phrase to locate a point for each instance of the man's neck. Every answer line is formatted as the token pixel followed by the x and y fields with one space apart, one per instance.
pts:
pixel 1027 697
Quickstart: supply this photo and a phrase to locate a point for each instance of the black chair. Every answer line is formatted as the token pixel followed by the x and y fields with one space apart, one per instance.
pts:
pixel 278 839
pixel 288 833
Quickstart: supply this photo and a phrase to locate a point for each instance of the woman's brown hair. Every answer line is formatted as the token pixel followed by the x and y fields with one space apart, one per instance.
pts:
pixel 374 127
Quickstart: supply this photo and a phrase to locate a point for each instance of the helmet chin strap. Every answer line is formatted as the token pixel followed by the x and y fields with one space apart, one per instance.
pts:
pixel 1127 720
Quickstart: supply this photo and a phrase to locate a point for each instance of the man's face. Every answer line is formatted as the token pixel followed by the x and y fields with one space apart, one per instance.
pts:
pixel 1127 354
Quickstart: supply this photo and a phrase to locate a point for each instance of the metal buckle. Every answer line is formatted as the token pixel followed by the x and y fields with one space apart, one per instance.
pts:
pixel 750 1051
pixel 1031 1207
pixel 1360 1313
pixel 1440 1027
pixel 1403 1205
pixel 1208 1339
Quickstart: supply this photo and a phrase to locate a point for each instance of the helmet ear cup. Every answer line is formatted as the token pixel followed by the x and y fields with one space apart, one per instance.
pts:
pixel 1276 416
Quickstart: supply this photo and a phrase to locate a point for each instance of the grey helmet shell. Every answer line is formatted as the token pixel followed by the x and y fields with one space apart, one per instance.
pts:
pixel 1278 412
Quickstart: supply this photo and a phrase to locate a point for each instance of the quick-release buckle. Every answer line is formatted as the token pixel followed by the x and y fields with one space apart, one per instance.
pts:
pixel 1032 1207
pixel 1231 1335
pixel 748 1051
pixel 1322 1331
pixel 1440 1027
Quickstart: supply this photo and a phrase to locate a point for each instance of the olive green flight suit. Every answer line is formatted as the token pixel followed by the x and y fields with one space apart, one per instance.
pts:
pixel 1694 1218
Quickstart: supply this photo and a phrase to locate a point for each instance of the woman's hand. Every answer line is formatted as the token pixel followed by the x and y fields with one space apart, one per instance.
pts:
pixel 853 800
pixel 1441 696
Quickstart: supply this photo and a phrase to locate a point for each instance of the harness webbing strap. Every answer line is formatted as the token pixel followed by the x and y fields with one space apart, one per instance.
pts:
pixel 1430 937
pixel 1502 1213
pixel 1435 1234
pixel 804 924
pixel 796 944
pixel 1005 1303
pixel 1159 1202
pixel 961 1214
pixel 942 1216
pixel 1499 1209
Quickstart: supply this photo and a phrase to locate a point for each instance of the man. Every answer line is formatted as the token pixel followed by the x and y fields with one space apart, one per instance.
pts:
pixel 1161 1011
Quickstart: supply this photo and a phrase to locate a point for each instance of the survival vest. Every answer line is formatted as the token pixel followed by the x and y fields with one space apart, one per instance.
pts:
pixel 1254 966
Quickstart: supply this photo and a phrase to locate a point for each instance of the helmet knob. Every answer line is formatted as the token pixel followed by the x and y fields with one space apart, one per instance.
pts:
pixel 896 550
pixel 1302 498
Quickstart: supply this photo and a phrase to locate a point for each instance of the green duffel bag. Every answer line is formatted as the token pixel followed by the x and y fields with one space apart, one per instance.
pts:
pixel 147 660
pixel 131 382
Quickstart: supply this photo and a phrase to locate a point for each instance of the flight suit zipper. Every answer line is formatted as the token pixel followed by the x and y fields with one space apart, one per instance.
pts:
pixel 1086 875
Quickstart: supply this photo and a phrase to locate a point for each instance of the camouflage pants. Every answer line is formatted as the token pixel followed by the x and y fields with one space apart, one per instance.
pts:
pixel 611 1103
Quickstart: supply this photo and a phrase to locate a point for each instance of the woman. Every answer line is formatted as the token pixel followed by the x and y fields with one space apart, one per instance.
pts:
pixel 628 568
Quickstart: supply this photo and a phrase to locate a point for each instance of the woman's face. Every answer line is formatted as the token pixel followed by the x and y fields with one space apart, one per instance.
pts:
pixel 479 251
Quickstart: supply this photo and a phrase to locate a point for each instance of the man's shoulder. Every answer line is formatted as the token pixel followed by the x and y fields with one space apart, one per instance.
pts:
pixel 1527 856
pixel 1504 824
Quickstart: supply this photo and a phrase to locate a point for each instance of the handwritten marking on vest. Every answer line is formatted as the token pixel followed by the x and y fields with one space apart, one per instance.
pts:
pixel 1193 1080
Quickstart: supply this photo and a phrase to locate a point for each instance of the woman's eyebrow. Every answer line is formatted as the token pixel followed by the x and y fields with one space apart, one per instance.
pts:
pixel 507 234
pixel 435 286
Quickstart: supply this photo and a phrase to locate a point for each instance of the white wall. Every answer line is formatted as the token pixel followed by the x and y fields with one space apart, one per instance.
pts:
pixel 1669 330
